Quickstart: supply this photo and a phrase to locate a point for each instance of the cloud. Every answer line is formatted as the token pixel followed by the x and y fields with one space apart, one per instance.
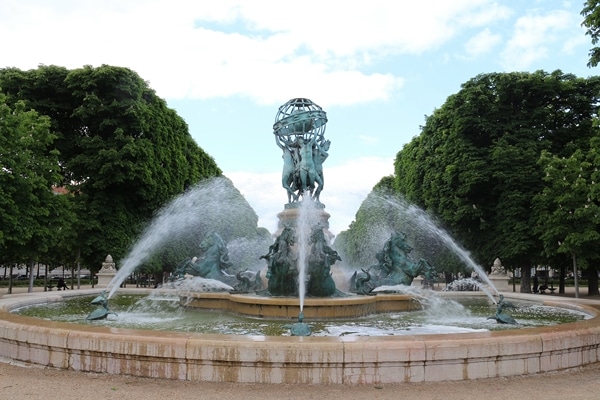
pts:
pixel 191 49
pixel 532 37
pixel 346 187
pixel 482 43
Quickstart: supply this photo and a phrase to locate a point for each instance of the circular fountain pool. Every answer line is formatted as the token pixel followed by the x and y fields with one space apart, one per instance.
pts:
pixel 347 359
pixel 439 315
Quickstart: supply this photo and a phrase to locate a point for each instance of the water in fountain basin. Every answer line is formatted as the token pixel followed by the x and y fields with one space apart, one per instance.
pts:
pixel 161 311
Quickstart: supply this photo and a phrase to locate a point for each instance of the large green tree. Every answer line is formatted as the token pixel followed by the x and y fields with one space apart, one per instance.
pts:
pixel 29 169
pixel 123 152
pixel 477 158
pixel 568 209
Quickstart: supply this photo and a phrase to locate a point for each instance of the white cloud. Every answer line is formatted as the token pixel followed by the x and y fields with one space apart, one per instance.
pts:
pixel 482 43
pixel 532 37
pixel 346 186
pixel 252 49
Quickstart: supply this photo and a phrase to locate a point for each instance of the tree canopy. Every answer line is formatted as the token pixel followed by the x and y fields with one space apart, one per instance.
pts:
pixel 122 152
pixel 476 166
pixel 29 168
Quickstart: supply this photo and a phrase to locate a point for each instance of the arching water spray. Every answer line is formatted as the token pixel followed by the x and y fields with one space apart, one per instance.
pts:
pixel 206 207
pixel 417 219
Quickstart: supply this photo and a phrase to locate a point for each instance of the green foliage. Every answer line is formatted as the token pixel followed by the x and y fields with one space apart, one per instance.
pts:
pixel 568 206
pixel 28 171
pixel 378 217
pixel 475 167
pixel 591 14
pixel 477 157
pixel 214 205
pixel 123 152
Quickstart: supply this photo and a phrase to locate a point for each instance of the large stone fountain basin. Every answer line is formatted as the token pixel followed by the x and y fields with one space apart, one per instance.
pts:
pixel 298 360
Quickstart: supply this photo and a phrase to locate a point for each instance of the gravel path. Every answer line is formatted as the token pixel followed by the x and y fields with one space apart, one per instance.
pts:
pixel 21 382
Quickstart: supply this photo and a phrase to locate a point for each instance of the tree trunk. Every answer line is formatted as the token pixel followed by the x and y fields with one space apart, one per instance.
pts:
pixel 561 279
pixel 592 276
pixel 525 280
pixel 31 276
pixel 10 277
pixel 575 276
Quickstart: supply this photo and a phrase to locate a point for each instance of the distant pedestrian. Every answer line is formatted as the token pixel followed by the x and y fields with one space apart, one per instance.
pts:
pixel 61 284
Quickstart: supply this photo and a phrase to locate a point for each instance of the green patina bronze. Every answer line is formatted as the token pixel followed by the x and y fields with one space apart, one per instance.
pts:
pixel 300 328
pixel 102 310
pixel 299 131
pixel 282 265
pixel 395 267
pixel 283 270
pixel 212 263
pixel 320 259
pixel 501 317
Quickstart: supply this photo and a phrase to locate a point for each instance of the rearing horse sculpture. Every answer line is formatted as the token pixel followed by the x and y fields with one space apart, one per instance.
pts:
pixel 395 267
pixel 212 262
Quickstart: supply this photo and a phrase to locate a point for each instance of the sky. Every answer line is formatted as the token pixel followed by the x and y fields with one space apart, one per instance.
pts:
pixel 377 68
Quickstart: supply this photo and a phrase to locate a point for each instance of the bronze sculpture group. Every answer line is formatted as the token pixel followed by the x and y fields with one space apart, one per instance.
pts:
pixel 299 132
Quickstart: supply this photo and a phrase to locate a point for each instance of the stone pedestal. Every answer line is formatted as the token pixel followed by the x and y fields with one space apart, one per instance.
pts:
pixel 501 282
pixel 499 278
pixel 290 216
pixel 107 272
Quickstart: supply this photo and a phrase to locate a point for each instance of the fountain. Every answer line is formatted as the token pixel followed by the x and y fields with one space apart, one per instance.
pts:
pixel 300 284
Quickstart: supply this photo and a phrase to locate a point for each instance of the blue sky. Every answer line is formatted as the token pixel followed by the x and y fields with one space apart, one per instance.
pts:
pixel 376 67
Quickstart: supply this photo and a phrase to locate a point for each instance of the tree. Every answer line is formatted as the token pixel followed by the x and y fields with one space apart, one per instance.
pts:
pixel 29 168
pixel 591 14
pixel 568 211
pixel 123 152
pixel 478 155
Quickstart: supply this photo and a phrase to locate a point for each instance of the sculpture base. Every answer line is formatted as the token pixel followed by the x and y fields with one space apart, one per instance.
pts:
pixel 289 217
pixel 289 307
pixel 501 282
pixel 104 278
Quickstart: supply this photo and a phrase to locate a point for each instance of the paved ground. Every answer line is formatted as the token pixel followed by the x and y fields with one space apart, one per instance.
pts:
pixel 25 382
pixel 18 382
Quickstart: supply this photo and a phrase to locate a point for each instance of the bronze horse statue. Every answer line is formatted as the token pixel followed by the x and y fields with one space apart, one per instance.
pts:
pixel 395 267
pixel 211 264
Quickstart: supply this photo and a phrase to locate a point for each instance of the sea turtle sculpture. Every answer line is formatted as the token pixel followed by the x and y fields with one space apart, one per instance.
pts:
pixel 300 328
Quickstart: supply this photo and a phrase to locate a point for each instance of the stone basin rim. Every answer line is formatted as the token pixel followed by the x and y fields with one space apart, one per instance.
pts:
pixel 297 360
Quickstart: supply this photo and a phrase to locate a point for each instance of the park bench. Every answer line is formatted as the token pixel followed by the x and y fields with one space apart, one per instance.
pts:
pixel 544 288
